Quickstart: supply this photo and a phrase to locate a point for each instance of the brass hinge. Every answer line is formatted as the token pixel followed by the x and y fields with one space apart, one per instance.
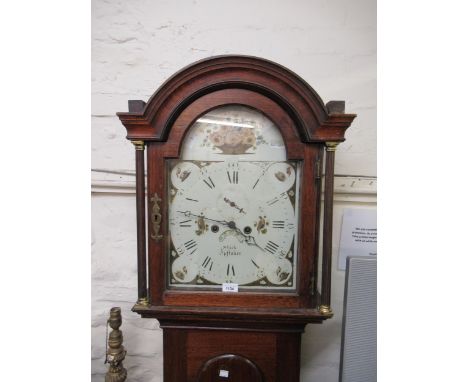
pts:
pixel 318 169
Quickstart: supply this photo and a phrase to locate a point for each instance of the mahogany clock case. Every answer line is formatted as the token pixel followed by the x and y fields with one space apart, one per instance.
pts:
pixel 255 333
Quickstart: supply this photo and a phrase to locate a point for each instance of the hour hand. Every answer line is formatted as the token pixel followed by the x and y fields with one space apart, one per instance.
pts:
pixel 250 240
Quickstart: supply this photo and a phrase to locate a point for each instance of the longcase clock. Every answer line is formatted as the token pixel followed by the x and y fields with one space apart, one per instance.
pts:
pixel 236 148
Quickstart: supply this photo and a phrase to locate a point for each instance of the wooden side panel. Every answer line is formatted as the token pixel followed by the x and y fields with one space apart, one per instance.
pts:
pixel 288 357
pixel 156 248
pixel 307 225
pixel 175 361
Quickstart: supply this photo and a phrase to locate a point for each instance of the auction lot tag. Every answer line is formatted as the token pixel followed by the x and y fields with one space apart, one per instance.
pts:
pixel 229 287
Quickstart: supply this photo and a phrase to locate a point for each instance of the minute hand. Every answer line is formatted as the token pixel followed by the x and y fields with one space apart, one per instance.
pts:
pixel 190 214
pixel 250 240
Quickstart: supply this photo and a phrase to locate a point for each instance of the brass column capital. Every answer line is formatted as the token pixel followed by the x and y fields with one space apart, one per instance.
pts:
pixel 139 145
pixel 331 146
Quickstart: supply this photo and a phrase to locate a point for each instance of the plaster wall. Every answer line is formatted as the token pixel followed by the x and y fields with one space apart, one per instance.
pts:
pixel 136 45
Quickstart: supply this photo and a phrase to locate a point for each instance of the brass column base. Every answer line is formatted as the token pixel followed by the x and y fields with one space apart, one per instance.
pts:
pixel 117 375
pixel 325 310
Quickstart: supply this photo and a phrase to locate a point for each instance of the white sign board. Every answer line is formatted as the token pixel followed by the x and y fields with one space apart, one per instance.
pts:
pixel 358 234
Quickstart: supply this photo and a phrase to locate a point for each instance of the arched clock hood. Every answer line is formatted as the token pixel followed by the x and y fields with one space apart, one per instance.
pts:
pixel 314 121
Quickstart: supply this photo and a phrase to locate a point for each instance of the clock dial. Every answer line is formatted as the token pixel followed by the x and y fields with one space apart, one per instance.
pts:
pixel 233 211
pixel 236 223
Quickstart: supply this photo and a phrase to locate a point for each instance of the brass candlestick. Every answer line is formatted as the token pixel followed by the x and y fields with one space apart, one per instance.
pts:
pixel 115 352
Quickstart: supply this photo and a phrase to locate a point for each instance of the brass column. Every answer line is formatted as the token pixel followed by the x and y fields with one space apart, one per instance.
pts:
pixel 141 221
pixel 325 308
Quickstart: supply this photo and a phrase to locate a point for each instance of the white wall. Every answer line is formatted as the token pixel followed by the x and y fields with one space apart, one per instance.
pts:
pixel 136 45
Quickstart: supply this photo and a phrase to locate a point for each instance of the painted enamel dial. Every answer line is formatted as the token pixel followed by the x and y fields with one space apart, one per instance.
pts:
pixel 233 220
